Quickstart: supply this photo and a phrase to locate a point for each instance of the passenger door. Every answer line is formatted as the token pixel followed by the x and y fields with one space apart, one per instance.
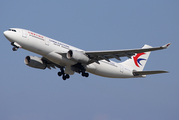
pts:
pixel 24 33
pixel 46 41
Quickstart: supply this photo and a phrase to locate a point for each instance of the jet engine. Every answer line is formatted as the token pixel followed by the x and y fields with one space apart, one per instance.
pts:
pixel 77 56
pixel 35 62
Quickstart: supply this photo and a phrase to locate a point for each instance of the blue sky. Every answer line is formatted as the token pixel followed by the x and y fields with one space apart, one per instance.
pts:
pixel 27 93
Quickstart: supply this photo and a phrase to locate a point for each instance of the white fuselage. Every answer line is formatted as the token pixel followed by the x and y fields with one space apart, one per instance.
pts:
pixel 55 52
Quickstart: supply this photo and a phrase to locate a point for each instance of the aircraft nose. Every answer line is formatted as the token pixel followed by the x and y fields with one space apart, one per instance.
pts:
pixel 5 33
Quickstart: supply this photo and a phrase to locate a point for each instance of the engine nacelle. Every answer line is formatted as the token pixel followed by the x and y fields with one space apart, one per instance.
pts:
pixel 35 62
pixel 77 56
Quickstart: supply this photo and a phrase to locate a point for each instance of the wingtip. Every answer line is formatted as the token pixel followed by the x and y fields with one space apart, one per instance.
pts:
pixel 166 46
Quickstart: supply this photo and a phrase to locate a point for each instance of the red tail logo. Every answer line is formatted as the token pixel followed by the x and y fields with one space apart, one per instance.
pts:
pixel 137 59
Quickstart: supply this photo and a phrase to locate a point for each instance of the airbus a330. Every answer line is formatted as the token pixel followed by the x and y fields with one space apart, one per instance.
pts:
pixel 70 60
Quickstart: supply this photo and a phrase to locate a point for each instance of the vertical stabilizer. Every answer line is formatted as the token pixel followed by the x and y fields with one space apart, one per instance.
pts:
pixel 139 60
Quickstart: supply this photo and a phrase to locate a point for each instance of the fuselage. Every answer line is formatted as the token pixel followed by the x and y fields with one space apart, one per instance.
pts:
pixel 55 51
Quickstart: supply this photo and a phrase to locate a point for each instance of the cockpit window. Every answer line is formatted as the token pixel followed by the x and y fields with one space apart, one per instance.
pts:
pixel 12 30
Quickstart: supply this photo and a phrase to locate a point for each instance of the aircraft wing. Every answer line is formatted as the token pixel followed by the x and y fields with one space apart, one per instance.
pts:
pixel 139 73
pixel 50 64
pixel 95 56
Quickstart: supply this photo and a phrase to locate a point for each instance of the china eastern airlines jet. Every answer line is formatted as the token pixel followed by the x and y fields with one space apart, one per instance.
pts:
pixel 70 59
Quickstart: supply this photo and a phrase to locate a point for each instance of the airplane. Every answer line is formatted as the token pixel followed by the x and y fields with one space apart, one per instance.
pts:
pixel 70 60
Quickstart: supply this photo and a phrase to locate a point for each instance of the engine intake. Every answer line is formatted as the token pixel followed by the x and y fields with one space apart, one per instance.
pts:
pixel 35 62
pixel 77 56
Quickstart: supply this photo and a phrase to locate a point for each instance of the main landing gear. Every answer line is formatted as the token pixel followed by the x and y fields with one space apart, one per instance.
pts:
pixel 67 76
pixel 85 74
pixel 64 76
pixel 79 68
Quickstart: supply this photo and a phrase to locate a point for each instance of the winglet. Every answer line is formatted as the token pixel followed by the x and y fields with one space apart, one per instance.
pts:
pixel 166 46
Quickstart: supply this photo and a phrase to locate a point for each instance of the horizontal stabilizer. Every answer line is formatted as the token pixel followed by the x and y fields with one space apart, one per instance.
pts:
pixel 139 73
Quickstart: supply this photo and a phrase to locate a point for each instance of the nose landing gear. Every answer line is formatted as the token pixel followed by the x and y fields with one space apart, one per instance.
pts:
pixel 16 46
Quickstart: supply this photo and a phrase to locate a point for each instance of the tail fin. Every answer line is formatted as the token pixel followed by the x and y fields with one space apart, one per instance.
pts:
pixel 139 60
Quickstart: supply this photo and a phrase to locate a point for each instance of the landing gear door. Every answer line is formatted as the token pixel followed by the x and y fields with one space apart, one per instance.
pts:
pixel 24 33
